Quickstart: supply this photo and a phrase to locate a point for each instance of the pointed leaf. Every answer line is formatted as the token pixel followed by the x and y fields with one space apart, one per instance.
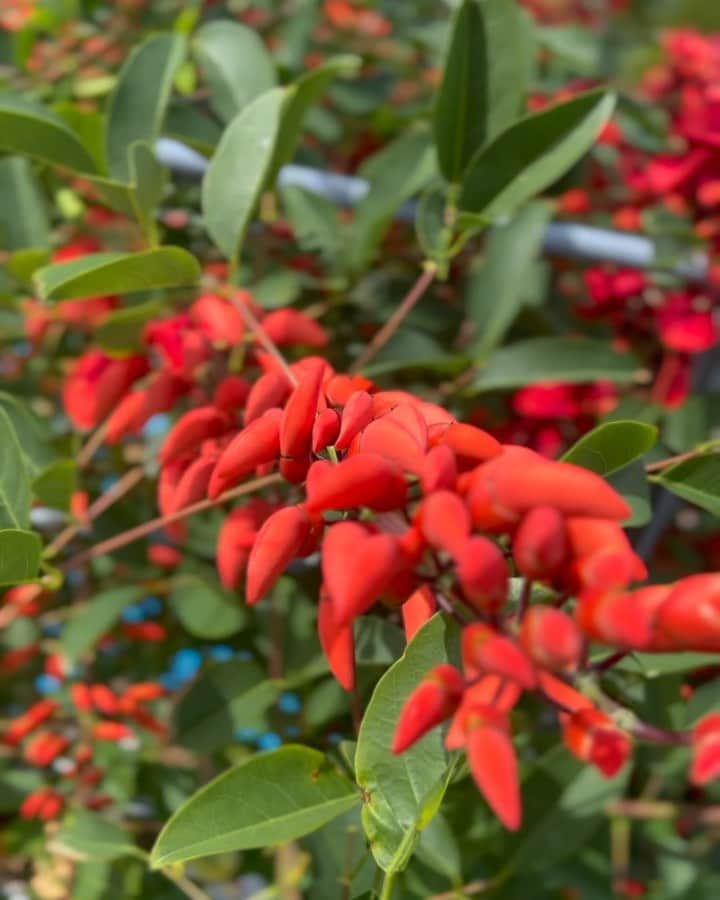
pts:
pixel 532 154
pixel 204 610
pixel 235 63
pixel 483 86
pixel 612 445
pixel 574 360
pixel 14 478
pixel 117 273
pixel 696 480
pixel 23 215
pixel 54 486
pixel 30 129
pixel 395 787
pixel 138 103
pixel 238 170
pixel 96 618
pixel 270 799
pixel 19 555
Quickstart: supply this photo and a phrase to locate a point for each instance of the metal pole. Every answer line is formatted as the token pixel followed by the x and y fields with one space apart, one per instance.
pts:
pixel 566 239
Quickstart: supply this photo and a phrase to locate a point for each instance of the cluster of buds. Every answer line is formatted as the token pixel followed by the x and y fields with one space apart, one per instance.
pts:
pixel 410 508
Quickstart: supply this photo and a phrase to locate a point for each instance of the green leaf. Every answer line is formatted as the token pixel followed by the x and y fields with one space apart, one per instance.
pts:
pixel 696 480
pixel 148 179
pixel 54 486
pixel 565 804
pixel 204 610
pixel 574 360
pixel 300 97
pixel 84 835
pixel 395 173
pixel 235 63
pixel 534 153
pixel 612 446
pixel 96 618
pixel 117 273
pixel 315 223
pixel 238 170
pixel 229 695
pixel 19 555
pixel 23 263
pixel 631 482
pixel 483 86
pixel 496 290
pixel 32 433
pixel 30 129
pixel 430 224
pixel 395 787
pixel 656 665
pixel 138 103
pixel 121 331
pixel 14 478
pixel 24 219
pixel 272 798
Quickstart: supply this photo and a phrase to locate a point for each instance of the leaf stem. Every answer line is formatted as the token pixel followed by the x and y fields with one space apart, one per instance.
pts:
pixel 424 281
pixel 134 534
pixel 191 890
pixel 388 885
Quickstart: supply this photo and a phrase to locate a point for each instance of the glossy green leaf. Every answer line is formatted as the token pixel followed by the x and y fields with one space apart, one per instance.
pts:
pixel 430 224
pixel 117 273
pixel 631 482
pixel 532 154
pixel 564 802
pixel 395 787
pixel 229 695
pixel 236 66
pixel 32 433
pixel 315 223
pixel 272 798
pixel 24 218
pixel 30 129
pixel 19 555
pixel 120 331
pixel 138 103
pixel 148 179
pixel 657 665
pixel 238 170
pixel 612 445
pixel 301 96
pixel 696 480
pixel 496 290
pixel 85 835
pixel 99 615
pixel 55 485
pixel 14 478
pixel 401 169
pixel 483 86
pixel 204 610
pixel 574 360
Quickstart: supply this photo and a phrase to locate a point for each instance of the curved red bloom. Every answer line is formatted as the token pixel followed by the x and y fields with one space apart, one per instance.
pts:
pixel 278 542
pixel 433 701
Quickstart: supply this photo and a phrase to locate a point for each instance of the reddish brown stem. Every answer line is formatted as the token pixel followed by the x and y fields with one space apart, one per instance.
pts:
pixel 393 323
pixel 261 336
pixel 140 531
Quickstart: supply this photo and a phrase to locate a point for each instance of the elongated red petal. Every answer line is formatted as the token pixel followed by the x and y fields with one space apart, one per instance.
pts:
pixel 363 480
pixel 485 651
pixel 493 765
pixel 191 430
pixel 444 521
pixel 299 414
pixel 417 609
pixel 483 573
pixel 435 699
pixel 338 644
pixel 279 540
pixel 256 444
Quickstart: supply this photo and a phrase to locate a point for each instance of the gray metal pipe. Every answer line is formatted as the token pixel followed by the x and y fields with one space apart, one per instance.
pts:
pixel 566 239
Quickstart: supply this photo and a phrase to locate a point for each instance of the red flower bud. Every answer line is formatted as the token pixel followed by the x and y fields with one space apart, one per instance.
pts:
pixel 193 483
pixel 44 747
pixel 357 568
pixel 483 574
pixel 232 393
pixel 444 521
pixel 706 750
pixel 689 619
pixel 357 414
pixel 257 443
pixel 110 731
pixel 552 639
pixel 31 719
pixel 470 444
pixel 325 430
pixel 540 546
pixel 165 556
pixel 485 651
pixel 493 763
pixel 218 320
pixel 44 804
pixel 400 436
pixel 278 542
pixel 269 391
pixel 103 699
pixel 191 430
pixel 435 699
pixel 290 326
pixel 81 697
pixel 439 470
pixel 340 388
pixel 299 414
pixel 338 643
pixel 622 619
pixel 417 609
pixel 235 540
pixel 363 480
pixel 593 737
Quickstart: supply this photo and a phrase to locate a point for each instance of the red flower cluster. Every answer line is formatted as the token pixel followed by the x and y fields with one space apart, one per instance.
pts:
pixel 412 508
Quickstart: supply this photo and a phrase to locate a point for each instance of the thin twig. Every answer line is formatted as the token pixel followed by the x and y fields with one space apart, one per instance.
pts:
pixel 393 323
pixel 87 451
pixel 184 884
pixel 140 531
pixel 662 464
pixel 96 509
pixel 261 336
pixel 467 890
